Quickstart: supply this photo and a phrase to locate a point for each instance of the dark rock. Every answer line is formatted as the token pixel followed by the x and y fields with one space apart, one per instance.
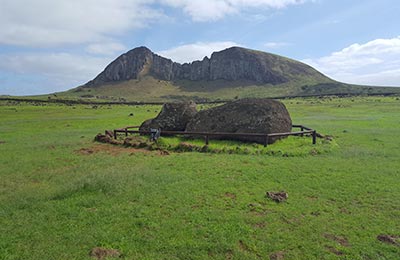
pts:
pixel 173 117
pixel 243 116
pixel 280 196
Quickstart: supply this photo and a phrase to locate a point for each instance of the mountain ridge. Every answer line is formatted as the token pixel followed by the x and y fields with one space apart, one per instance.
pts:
pixel 234 63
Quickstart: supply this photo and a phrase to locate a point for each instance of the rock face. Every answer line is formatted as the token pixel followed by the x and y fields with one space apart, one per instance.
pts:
pixel 244 116
pixel 173 117
pixel 232 64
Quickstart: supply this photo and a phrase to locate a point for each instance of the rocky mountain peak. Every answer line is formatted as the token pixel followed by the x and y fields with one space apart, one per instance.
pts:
pixel 234 63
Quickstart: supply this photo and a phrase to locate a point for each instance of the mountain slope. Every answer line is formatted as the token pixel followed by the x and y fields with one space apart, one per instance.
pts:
pixel 236 72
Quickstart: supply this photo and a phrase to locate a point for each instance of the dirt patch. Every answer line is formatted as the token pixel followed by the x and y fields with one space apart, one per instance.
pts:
pixel 389 239
pixel 280 255
pixel 229 255
pixel 280 196
pixel 116 150
pixel 163 152
pixel 334 250
pixel 109 149
pixel 345 210
pixel 339 239
pixel 230 195
pixel 242 246
pixel 85 151
pixel 2 142
pixel 312 198
pixel 259 225
pixel 107 138
pixel 103 253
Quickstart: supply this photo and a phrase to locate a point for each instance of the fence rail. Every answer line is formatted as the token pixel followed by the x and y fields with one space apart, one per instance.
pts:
pixel 265 137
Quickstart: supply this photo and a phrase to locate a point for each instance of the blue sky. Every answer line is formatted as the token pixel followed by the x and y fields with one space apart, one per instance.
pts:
pixel 48 46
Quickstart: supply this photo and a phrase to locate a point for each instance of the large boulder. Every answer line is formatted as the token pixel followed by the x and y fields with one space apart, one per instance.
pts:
pixel 173 117
pixel 243 116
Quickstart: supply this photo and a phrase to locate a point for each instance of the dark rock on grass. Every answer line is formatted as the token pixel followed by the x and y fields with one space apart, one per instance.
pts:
pixel 389 239
pixel 173 117
pixel 101 253
pixel 280 196
pixel 264 116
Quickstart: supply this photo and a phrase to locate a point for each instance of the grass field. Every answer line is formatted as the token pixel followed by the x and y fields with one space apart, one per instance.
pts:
pixel 61 194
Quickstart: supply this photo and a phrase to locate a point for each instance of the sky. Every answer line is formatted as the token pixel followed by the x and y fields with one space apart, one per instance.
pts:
pixel 48 46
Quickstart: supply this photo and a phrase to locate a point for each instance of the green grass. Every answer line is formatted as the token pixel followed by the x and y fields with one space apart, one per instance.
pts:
pixel 58 203
pixel 288 147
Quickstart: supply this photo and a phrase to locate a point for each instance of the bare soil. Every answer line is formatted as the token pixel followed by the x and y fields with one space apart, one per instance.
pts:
pixel 114 150
pixel 103 253
pixel 280 255
pixel 334 250
pixel 389 239
pixel 339 239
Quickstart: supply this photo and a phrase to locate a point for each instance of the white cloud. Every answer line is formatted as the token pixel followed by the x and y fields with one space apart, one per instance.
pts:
pixel 43 23
pixel 55 71
pixel 211 10
pixel 195 51
pixel 107 48
pixel 376 62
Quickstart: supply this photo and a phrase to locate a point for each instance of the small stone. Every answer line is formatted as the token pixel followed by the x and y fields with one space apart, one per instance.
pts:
pixel 280 196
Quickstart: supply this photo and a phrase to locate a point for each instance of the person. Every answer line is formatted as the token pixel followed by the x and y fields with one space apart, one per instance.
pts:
pixel 155 134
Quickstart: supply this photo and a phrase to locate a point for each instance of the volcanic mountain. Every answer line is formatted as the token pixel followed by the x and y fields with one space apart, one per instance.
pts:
pixel 236 72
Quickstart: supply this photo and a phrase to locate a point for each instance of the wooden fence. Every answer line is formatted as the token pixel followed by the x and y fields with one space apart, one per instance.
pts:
pixel 265 137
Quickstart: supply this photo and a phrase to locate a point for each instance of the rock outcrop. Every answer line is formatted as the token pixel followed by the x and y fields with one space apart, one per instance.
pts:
pixel 173 117
pixel 243 116
pixel 232 64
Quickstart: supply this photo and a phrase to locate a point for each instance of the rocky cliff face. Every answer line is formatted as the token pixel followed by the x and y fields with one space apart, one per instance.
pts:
pixel 232 64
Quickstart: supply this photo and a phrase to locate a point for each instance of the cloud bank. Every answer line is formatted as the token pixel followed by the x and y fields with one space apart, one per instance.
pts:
pixel 44 23
pixel 376 62
pixel 212 10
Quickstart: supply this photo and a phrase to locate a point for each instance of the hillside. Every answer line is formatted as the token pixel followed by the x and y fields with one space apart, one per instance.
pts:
pixel 141 75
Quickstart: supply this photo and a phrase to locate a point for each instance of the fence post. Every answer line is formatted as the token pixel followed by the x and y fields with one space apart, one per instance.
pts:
pixel 206 139
pixel 115 134
pixel 302 129
pixel 314 137
pixel 265 140
pixel 126 131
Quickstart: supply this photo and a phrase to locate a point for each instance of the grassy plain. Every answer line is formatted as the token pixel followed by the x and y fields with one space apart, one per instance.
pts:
pixel 62 195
